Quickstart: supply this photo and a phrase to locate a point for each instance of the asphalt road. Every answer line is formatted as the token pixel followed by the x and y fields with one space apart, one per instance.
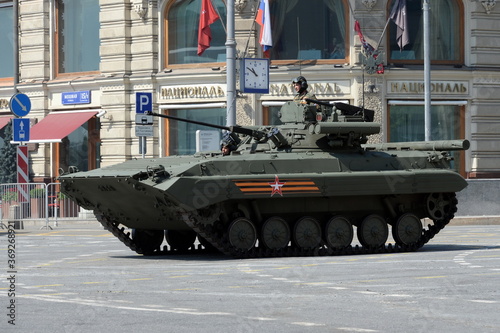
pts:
pixel 81 279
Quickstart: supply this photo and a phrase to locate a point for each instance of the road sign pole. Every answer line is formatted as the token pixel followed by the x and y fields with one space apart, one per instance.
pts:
pixel 142 146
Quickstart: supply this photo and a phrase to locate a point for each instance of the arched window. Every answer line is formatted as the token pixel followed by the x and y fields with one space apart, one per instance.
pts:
pixel 313 29
pixel 446 31
pixel 181 27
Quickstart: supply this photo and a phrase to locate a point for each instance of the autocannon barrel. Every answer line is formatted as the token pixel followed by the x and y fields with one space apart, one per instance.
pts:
pixel 235 129
pixel 443 145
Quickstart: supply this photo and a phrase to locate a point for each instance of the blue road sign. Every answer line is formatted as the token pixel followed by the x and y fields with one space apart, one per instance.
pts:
pixel 143 102
pixel 21 129
pixel 20 105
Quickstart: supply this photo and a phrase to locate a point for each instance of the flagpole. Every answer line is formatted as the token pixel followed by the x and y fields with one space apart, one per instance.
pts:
pixel 383 33
pixel 427 72
pixel 218 13
pixel 231 66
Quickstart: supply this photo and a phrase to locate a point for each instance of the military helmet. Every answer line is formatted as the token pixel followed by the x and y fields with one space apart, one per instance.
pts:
pixel 227 140
pixel 303 82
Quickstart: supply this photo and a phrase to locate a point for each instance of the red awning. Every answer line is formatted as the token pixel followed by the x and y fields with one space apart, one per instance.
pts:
pixel 58 125
pixel 4 121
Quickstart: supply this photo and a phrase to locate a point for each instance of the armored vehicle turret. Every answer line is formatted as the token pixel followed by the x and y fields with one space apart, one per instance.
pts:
pixel 311 186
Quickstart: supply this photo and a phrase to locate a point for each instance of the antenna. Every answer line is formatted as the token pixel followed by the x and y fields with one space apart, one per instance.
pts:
pixel 298 46
pixel 363 81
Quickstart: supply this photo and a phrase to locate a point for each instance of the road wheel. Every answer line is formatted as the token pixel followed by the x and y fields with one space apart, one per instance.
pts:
pixel 242 234
pixel 338 232
pixel 373 231
pixel 307 233
pixel 407 230
pixel 275 233
pixel 147 241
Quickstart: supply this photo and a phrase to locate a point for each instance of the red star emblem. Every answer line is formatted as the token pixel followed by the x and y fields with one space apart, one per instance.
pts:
pixel 276 186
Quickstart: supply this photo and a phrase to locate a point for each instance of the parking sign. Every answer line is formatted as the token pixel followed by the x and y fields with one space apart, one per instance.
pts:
pixel 143 102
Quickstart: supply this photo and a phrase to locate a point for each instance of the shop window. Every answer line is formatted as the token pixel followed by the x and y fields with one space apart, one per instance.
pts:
pixel 271 114
pixel 6 40
pixel 77 37
pixel 309 30
pixel 446 33
pixel 181 26
pixel 80 149
pixel 182 135
pixel 407 123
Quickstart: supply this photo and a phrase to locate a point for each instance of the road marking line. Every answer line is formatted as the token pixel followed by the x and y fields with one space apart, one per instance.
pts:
pixel 299 323
pixel 313 283
pixel 106 304
pixel 261 318
pixel 482 301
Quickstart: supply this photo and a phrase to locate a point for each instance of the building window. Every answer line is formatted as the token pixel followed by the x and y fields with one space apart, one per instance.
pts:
pixel 77 38
pixel 446 31
pixel 81 148
pixel 6 40
pixel 182 136
pixel 181 25
pixel 309 30
pixel 271 115
pixel 407 123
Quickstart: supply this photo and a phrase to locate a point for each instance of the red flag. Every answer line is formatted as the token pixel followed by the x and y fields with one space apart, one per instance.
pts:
pixel 369 49
pixel 367 46
pixel 208 15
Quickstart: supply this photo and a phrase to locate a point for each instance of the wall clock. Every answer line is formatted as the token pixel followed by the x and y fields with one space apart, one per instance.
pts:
pixel 254 76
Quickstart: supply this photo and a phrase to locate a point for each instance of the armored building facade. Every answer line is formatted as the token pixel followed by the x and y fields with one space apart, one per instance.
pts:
pixel 82 63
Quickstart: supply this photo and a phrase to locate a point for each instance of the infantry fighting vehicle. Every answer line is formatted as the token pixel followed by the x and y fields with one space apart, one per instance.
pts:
pixel 305 187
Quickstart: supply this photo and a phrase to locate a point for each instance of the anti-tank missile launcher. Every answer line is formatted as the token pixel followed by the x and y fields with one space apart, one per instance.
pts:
pixel 310 186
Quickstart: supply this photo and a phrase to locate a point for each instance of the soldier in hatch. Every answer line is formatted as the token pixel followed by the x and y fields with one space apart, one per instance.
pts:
pixel 227 144
pixel 300 85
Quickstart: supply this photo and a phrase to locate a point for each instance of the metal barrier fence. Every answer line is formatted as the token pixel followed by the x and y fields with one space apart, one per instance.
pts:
pixel 38 203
